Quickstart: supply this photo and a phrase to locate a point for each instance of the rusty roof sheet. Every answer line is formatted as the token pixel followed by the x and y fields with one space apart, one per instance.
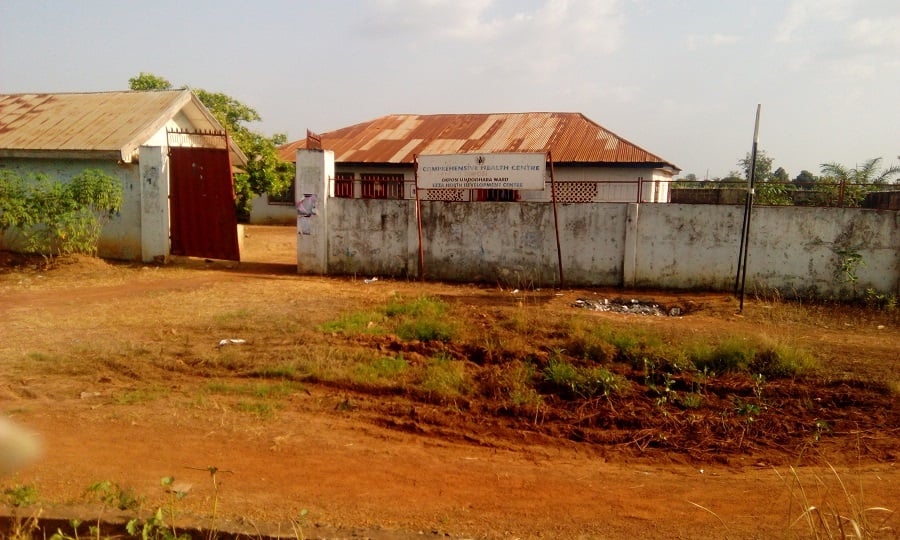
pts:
pixel 570 137
pixel 96 124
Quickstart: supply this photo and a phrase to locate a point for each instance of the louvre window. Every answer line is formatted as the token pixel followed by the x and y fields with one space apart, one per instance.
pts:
pixel 501 195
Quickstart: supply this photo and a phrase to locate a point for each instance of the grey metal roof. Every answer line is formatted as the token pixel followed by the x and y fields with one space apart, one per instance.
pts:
pixel 103 125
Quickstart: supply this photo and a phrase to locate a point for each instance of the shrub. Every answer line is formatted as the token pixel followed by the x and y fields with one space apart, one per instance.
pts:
pixel 58 218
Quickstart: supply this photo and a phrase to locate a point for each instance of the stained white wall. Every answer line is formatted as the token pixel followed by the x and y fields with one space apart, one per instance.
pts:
pixel 796 250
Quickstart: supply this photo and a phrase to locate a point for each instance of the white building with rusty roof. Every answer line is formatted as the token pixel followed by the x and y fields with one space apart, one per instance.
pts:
pixel 376 159
pixel 172 156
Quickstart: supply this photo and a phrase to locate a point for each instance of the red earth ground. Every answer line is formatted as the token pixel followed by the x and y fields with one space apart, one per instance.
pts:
pixel 391 466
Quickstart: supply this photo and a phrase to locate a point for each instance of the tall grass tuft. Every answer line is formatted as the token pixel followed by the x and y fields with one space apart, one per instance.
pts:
pixel 827 517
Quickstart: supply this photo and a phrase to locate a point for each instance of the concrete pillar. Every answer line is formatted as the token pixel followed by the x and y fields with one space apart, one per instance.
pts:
pixel 315 169
pixel 154 173
pixel 629 265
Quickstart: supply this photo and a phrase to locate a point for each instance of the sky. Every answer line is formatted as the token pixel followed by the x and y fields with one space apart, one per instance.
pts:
pixel 681 79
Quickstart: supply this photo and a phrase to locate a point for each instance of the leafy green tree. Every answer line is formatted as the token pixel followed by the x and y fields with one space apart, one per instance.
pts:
pixel 148 81
pixel 769 189
pixel 763 166
pixel 805 179
pixel 733 179
pixel 780 175
pixel 13 205
pixel 265 172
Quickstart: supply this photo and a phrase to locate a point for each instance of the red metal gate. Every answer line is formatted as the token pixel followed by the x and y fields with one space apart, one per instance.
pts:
pixel 201 202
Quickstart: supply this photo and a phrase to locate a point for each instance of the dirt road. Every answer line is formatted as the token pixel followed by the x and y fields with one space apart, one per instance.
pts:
pixel 138 415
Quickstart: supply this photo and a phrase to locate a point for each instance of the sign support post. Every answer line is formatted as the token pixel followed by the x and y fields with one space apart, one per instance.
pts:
pixel 419 221
pixel 555 219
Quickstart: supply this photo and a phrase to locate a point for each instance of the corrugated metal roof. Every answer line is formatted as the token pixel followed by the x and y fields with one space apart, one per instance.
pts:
pixel 107 125
pixel 570 137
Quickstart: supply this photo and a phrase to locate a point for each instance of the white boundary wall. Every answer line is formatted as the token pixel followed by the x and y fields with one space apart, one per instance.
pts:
pixel 795 250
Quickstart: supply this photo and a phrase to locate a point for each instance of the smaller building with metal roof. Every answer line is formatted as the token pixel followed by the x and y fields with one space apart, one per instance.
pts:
pixel 129 135
pixel 376 159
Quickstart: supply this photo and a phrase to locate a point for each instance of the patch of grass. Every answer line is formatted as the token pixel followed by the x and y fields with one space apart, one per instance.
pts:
pixel 423 319
pixel 423 306
pixel 57 364
pixel 359 322
pixel 281 371
pixel 261 409
pixel 590 344
pixel 733 354
pixel 570 381
pixel 638 346
pixel 255 390
pixel 778 361
pixel 512 383
pixel 381 369
pixel 426 330
pixel 444 378
pixel 743 355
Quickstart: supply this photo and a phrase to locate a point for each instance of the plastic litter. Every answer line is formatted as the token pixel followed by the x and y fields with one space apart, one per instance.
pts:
pixel 232 342
pixel 372 280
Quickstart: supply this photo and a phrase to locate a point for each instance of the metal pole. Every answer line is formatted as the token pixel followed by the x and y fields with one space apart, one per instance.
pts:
pixel 556 219
pixel 740 261
pixel 746 239
pixel 419 221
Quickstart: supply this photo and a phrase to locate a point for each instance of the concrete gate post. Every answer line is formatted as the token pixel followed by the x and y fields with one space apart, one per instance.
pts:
pixel 315 169
pixel 154 170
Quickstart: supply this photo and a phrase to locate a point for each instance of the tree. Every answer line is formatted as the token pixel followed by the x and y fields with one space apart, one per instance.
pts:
pixel 869 173
pixel 769 189
pixel 265 172
pixel 780 175
pixel 805 179
pixel 148 81
pixel 763 168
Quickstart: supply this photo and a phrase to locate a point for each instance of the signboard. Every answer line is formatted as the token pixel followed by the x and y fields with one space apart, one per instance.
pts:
pixel 482 171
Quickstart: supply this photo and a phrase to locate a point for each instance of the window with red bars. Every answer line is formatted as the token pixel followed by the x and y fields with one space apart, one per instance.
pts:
pixel 343 185
pixel 501 195
pixel 382 186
